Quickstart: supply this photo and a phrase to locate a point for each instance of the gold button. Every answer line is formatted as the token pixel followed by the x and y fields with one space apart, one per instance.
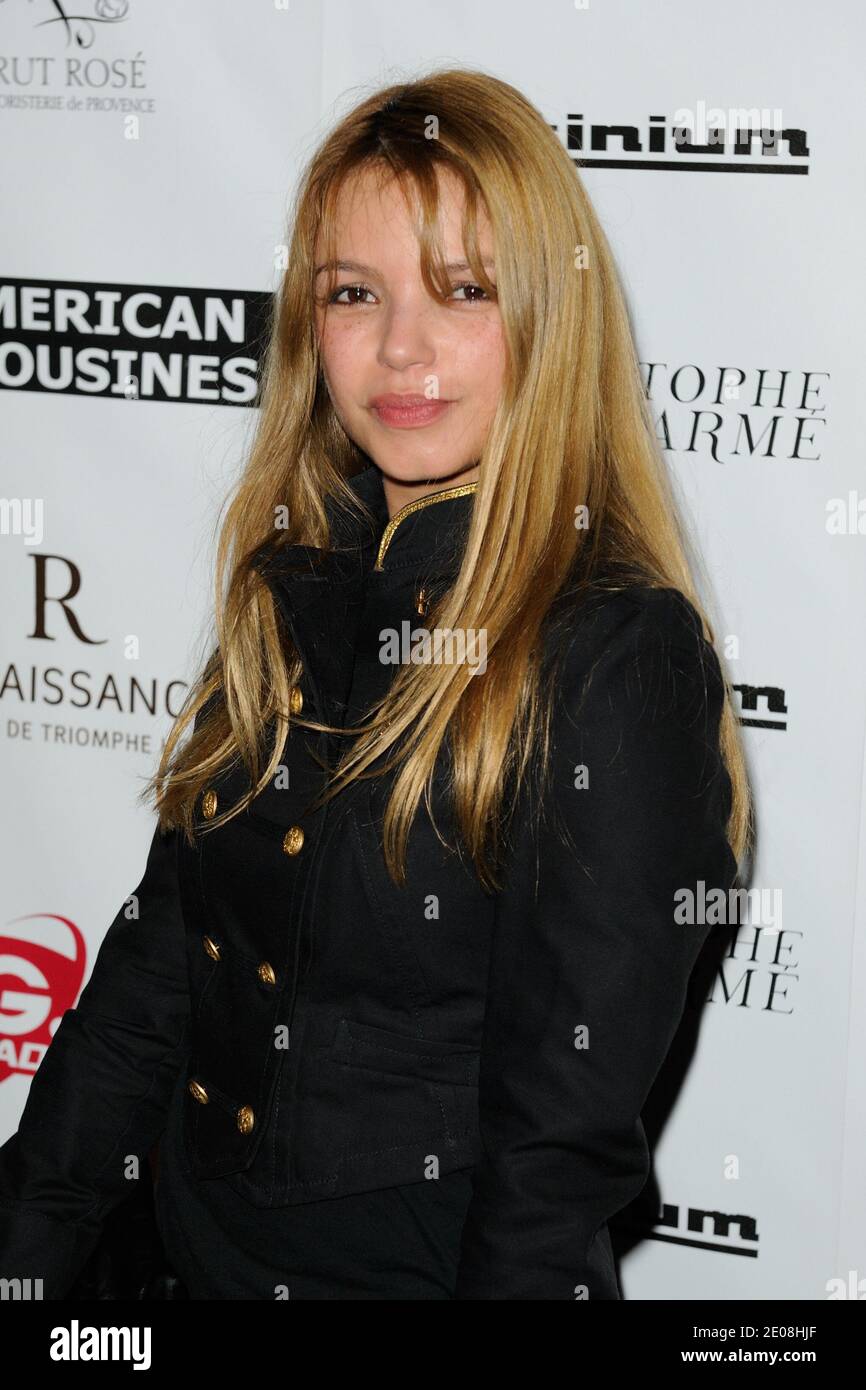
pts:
pixel 211 947
pixel 296 699
pixel 421 602
pixel 293 839
pixel 209 804
pixel 266 973
pixel 246 1119
pixel 198 1092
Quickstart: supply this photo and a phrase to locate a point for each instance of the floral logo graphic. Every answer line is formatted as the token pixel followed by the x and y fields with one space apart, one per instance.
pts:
pixel 81 29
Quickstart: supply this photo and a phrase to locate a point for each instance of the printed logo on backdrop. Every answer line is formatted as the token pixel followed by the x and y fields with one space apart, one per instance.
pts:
pixel 42 960
pixel 753 959
pixel 760 968
pixel 703 1228
pixel 83 702
pixel 72 61
pixel 695 140
pixel 81 26
pixel 729 412
pixel 138 342
pixel 762 706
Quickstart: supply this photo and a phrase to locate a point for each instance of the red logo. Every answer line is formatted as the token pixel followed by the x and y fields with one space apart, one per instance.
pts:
pixel 41 970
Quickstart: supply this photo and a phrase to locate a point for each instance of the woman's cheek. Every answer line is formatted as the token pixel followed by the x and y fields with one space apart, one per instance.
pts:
pixel 344 357
pixel 482 363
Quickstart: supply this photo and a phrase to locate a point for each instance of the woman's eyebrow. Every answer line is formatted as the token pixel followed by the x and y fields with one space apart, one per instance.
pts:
pixel 346 265
pixel 362 269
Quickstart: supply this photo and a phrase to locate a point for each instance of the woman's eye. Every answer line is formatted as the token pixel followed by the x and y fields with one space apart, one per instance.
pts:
pixel 474 294
pixel 349 289
pixel 470 285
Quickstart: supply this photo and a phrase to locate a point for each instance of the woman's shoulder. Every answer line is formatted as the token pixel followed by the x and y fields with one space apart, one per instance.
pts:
pixel 634 625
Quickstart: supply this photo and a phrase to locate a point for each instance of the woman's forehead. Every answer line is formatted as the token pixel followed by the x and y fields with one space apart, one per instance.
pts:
pixel 367 204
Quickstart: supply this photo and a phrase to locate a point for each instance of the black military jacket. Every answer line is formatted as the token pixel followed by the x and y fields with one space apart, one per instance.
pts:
pixel 316 1031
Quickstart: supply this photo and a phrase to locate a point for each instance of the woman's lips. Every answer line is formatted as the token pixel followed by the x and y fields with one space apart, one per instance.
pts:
pixel 408 416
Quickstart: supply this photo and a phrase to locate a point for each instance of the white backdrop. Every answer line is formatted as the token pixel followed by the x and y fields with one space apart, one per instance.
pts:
pixel 151 150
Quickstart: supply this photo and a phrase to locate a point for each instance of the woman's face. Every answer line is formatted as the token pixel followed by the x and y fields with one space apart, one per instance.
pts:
pixel 382 335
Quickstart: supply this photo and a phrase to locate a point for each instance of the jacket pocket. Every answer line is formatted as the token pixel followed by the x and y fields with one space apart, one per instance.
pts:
pixel 363 1045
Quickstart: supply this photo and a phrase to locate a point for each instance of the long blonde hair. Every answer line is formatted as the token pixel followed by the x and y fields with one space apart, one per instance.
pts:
pixel 572 428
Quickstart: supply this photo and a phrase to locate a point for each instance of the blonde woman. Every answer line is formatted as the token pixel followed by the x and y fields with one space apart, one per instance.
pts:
pixel 411 946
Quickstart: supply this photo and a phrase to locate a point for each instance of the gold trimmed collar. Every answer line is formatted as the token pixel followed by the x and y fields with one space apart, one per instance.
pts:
pixel 461 490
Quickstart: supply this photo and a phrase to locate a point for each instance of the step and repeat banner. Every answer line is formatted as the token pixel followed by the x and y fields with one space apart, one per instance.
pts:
pixel 149 153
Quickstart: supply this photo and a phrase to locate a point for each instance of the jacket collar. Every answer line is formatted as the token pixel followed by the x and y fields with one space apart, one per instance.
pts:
pixel 429 530
pixel 321 592
pixel 427 533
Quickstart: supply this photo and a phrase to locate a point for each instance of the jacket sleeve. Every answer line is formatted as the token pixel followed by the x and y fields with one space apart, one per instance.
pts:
pixel 101 1091
pixel 590 956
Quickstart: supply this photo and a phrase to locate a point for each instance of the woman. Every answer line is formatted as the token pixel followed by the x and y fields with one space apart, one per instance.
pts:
pixel 400 1050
